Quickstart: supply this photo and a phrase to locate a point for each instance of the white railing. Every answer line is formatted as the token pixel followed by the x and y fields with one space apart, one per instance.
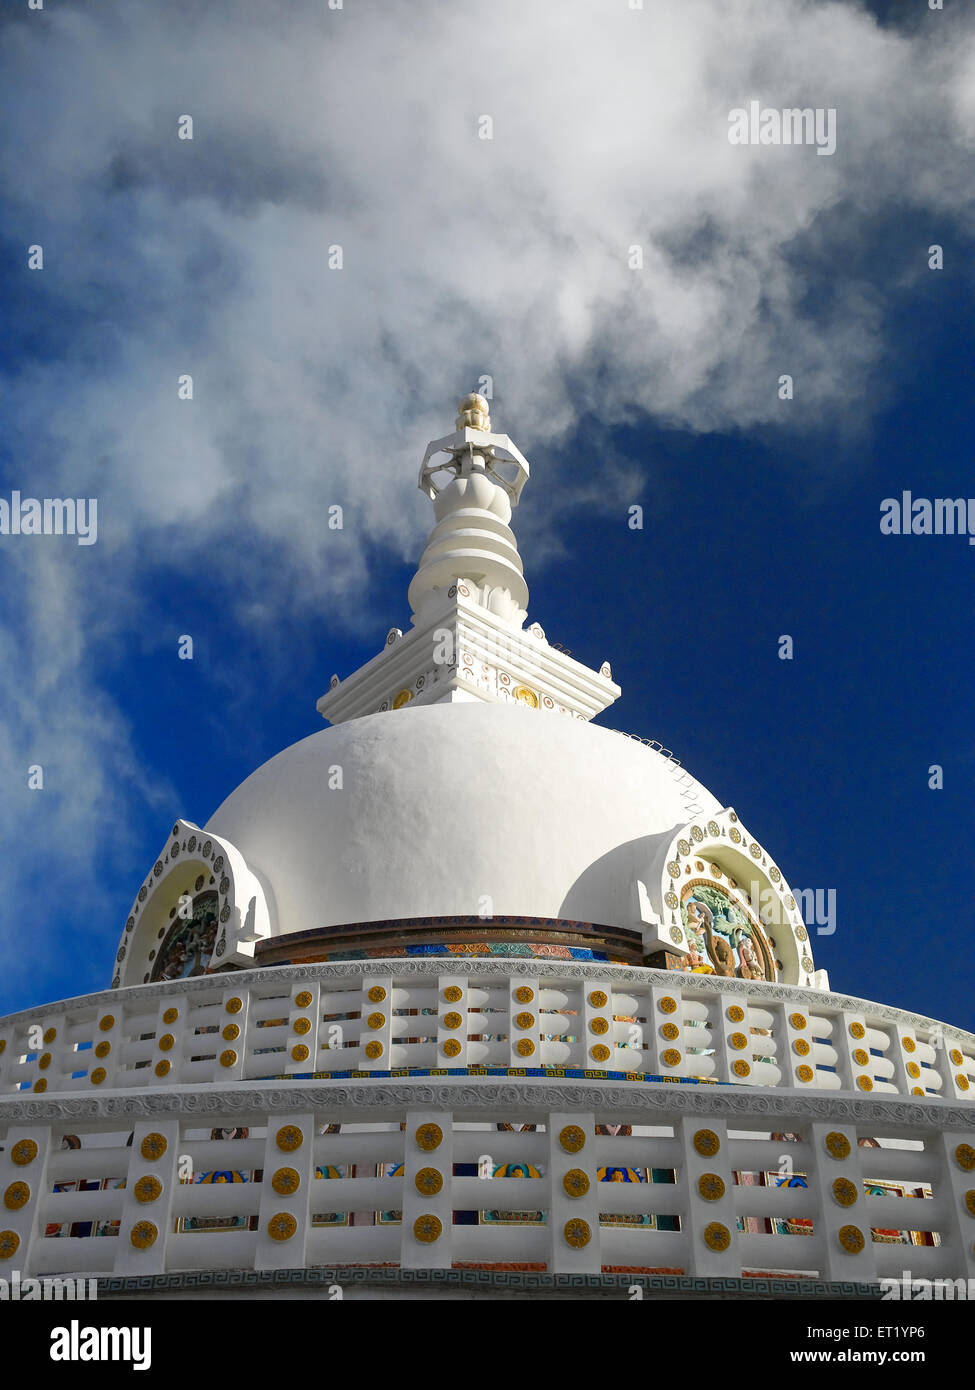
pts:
pixel 143 1185
pixel 405 1016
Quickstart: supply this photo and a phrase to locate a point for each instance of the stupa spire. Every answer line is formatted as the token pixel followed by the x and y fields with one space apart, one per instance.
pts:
pixel 469 599
pixel 474 478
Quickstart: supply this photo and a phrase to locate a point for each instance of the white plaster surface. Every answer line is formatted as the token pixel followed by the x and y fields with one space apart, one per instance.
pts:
pixel 445 806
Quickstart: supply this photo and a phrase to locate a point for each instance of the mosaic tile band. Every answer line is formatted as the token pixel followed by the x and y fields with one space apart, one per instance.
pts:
pixel 546 1072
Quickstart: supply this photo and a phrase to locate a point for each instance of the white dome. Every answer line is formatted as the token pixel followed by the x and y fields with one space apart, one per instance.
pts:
pixel 456 810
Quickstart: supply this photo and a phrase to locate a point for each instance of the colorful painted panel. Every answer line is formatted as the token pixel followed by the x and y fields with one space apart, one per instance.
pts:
pixel 188 945
pixel 724 938
pixel 512 1218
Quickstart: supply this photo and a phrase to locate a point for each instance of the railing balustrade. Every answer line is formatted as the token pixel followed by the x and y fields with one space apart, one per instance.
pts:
pixel 404 1183
pixel 296 1022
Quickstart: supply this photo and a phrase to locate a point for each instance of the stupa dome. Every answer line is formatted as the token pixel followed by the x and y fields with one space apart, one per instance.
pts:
pixel 457 810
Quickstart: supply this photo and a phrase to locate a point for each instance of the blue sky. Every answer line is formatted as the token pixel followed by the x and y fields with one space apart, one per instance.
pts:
pixel 509 257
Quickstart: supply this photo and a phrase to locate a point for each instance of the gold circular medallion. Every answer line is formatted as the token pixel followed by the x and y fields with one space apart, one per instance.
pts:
pixel 303 1025
pixel 453 994
pixel 805 1073
pixel 427 1229
pixel 428 1182
pixel 376 1020
pixel 152 1147
pixel 707 1143
pixel 373 1049
pixel 736 1014
pixel 716 1236
pixel 865 1083
pixel 40 1085
pixel 801 1047
pixel 851 1239
pixel 16 1196
pixel 166 1042
pixel 670 1057
pixel 572 1138
pixel 282 1226
pixel 286 1182
pixel 711 1187
pixel 452 1020
pixel 965 1158
pixel 234 1006
pixel 170 1016
pixel 918 1091
pixel 23 1152
pixel 45 1061
pixel 524 994
pixel 970 1202
pixel 961 1081
pixel 98 1076
pixel 403 697
pixel 164 1067
pixel 9 1244
pixel 147 1189
pixel 844 1192
pixel 50 1034
pixel 955 1056
pixel 798 1020
pixel 304 997
pixel 228 1057
pixel 526 696
pixel 738 1041
pixel 577 1233
pixel 525 1020
pixel 106 1023
pixel 598 999
pixel 600 1053
pixel 289 1138
pixel 908 1044
pixel 857 1030
pixel 429 1137
pixel 103 1049
pixel 524 1047
pixel 299 1053
pixel 670 1031
pixel 576 1183
pixel 860 1056
pixel 452 1048
pixel 598 1026
pixel 376 995
pixel 231 1033
pixel 837 1145
pixel 666 1005
pixel 143 1234
pixel 913 1070
pixel 741 1068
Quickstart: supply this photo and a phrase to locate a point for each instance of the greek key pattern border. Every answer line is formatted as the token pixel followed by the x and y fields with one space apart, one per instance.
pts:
pixel 513 1281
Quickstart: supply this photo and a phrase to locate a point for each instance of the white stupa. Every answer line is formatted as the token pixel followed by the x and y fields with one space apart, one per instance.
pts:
pixel 464 933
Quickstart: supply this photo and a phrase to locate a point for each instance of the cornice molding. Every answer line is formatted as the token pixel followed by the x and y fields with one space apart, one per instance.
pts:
pixel 472 1095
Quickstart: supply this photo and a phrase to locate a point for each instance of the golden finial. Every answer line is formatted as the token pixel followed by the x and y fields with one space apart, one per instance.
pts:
pixel 473 413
